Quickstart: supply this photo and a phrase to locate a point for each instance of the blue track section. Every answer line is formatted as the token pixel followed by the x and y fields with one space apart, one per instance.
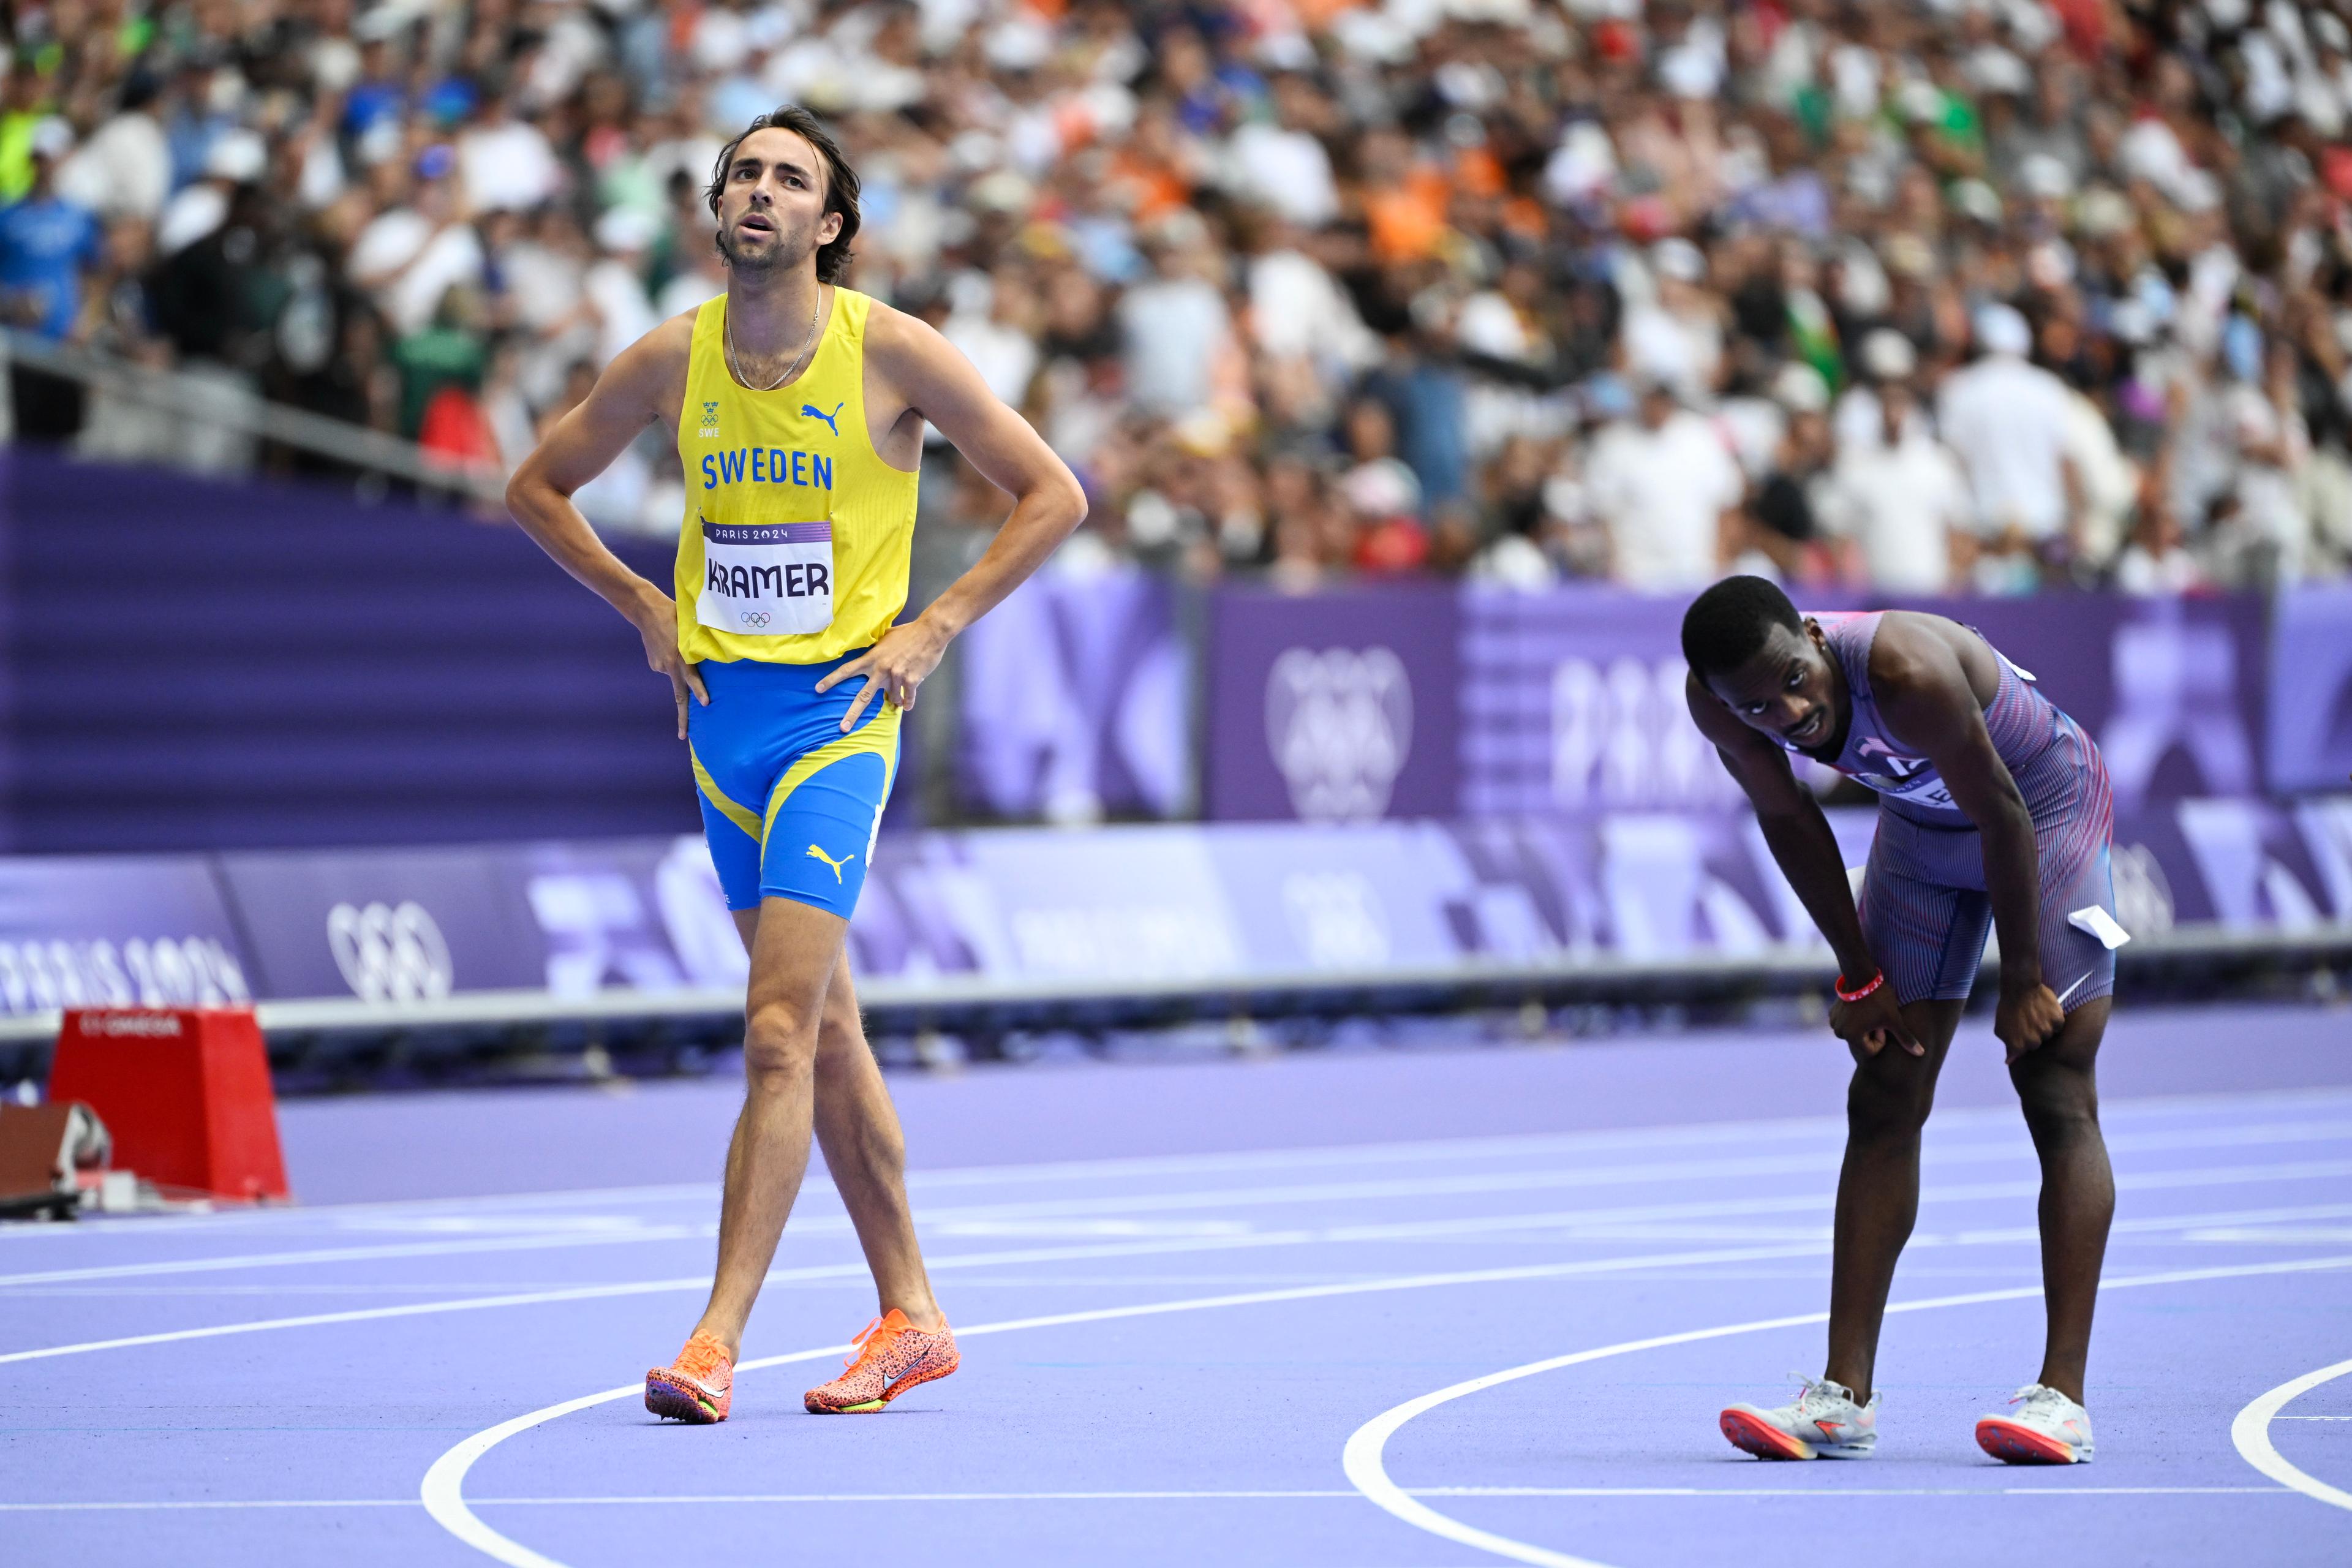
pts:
pixel 1246 1262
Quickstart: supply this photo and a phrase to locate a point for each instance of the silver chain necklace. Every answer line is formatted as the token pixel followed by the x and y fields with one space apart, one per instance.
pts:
pixel 735 362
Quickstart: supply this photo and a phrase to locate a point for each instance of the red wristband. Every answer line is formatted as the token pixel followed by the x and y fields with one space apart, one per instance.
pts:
pixel 1859 992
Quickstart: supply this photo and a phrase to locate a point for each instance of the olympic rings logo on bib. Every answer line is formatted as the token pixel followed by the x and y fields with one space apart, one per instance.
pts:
pixel 774 579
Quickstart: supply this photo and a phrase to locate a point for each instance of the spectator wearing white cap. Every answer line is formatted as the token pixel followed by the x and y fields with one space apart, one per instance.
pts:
pixel 2006 419
pixel 1667 490
pixel 237 157
pixel 1780 532
pixel 1886 355
pixel 1676 335
pixel 1899 501
pixel 1176 325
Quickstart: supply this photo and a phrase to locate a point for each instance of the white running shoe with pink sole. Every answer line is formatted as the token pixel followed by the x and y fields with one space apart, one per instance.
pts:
pixel 2041 1427
pixel 1823 1424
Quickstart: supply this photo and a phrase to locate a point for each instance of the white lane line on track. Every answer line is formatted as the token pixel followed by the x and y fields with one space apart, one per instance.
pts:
pixel 1119 1206
pixel 1412 1230
pixel 2119 1116
pixel 1404 1151
pixel 1333 1494
pixel 1567 1219
pixel 443 1491
pixel 1411 1152
pixel 2251 1435
pixel 368 1254
pixel 637 1288
pixel 1363 1461
pixel 1129 1207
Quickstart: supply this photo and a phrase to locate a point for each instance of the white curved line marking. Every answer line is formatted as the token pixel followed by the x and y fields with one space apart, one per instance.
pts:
pixel 1361 1459
pixel 443 1491
pixel 2252 1434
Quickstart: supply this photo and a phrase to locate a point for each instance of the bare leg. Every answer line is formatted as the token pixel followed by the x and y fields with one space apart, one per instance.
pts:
pixel 2057 1084
pixel 858 1130
pixel 793 956
pixel 1878 1187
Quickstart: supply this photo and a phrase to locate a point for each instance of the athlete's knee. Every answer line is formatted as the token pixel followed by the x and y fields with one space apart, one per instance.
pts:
pixel 2058 1098
pixel 1889 1104
pixel 780 1041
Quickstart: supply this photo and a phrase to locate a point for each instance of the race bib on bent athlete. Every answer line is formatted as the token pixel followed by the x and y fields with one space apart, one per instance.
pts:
pixel 766 579
pixel 1914 779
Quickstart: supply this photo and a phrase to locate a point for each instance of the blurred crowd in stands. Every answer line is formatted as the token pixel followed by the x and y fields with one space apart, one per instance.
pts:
pixel 1912 295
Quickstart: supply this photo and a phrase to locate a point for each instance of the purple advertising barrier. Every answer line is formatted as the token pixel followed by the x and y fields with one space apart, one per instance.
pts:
pixel 382 925
pixel 1047 907
pixel 2311 690
pixel 1572 701
pixel 2247 865
pixel 1333 706
pixel 2172 688
pixel 1076 698
pixel 395 925
pixel 148 932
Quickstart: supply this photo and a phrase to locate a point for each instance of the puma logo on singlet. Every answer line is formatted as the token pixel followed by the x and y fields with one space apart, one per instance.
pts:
pixel 817 854
pixel 814 411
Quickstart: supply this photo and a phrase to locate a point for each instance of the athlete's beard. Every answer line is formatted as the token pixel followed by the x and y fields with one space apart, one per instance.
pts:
pixel 781 257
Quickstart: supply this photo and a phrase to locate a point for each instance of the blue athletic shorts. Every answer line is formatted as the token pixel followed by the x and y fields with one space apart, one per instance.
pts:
pixel 1925 913
pixel 790 804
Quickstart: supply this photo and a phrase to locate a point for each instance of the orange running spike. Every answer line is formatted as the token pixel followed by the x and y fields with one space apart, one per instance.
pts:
pixel 698 1388
pixel 893 1356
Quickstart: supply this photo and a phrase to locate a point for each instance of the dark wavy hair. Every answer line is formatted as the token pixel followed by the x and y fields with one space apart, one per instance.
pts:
pixel 840 182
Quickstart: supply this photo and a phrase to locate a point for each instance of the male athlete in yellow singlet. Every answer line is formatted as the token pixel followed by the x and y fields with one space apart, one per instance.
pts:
pixel 799 407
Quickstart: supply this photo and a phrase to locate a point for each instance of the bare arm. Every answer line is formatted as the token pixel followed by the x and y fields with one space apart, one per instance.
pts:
pixel 1807 853
pixel 935 383
pixel 1794 827
pixel 1926 697
pixel 637 388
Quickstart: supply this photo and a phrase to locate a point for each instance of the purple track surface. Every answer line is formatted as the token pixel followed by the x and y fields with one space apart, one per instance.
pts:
pixel 1256 1260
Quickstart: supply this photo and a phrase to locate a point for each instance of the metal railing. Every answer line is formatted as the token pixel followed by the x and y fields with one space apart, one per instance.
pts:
pixel 219 403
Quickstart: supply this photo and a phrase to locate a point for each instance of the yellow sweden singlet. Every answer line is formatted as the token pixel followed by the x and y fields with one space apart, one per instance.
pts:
pixel 795 545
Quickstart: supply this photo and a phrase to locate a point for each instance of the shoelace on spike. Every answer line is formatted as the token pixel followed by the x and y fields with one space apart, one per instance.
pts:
pixel 865 1343
pixel 701 1357
pixel 2036 1397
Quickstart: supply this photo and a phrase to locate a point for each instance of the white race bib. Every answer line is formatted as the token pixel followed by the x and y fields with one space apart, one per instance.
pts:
pixel 766 579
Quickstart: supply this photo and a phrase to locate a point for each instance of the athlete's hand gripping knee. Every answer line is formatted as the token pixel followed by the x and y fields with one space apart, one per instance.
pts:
pixel 656 622
pixel 2028 1016
pixel 1874 1022
pixel 896 667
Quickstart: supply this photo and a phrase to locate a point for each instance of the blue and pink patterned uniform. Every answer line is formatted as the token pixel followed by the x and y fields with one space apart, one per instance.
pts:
pixel 1924 908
